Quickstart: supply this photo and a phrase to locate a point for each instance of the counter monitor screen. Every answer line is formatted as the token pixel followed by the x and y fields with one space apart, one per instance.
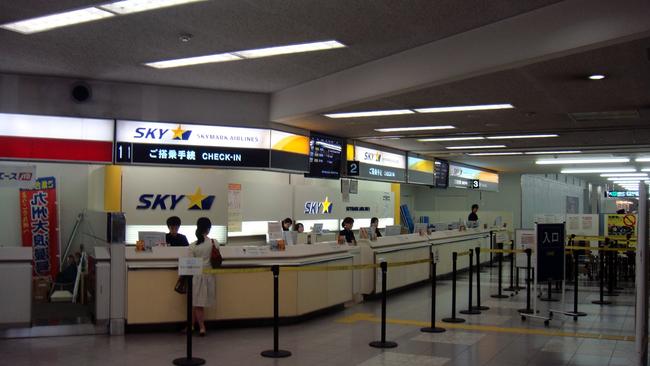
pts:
pixel 441 174
pixel 325 154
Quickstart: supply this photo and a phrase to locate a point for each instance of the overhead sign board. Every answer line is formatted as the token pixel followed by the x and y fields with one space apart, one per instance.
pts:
pixel 441 173
pixel 289 151
pixel 622 194
pixel 192 145
pixel 380 165
pixel 420 170
pixel 462 176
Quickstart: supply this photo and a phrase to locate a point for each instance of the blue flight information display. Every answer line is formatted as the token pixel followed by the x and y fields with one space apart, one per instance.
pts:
pixel 325 153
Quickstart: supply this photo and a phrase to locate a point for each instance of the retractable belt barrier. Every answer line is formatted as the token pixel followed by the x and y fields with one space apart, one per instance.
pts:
pixel 603 249
pixel 593 238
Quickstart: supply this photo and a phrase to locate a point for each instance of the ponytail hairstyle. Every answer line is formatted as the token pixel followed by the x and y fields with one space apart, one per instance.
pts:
pixel 203 226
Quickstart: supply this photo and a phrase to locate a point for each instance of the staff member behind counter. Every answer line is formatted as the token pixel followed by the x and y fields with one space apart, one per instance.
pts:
pixel 472 215
pixel 346 235
pixel 286 224
pixel 173 238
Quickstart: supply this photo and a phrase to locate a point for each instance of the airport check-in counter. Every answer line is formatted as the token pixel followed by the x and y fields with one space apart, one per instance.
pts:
pixel 15 286
pixel 151 276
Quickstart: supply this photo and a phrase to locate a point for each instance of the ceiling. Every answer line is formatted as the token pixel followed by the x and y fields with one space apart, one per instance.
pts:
pixel 544 92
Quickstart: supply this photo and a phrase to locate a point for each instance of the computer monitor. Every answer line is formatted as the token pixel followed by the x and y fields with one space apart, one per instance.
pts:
pixel 152 238
pixel 317 228
pixel 392 230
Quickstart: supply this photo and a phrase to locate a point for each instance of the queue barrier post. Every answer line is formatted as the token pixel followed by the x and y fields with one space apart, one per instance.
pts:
pixel 478 306
pixel 512 286
pixel 453 318
pixel 432 328
pixel 499 294
pixel 383 343
pixel 492 240
pixel 575 313
pixel 188 360
pixel 611 274
pixel 601 274
pixel 549 297
pixel 471 310
pixel 276 352
pixel 528 309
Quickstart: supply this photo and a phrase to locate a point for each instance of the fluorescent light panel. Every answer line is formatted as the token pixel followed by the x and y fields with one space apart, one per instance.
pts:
pixel 644 159
pixel 468 138
pixel 484 107
pixel 420 128
pixel 597 170
pixel 475 147
pixel 631 179
pixel 645 170
pixel 624 175
pixel 263 52
pixel 552 152
pixel 393 112
pixel 508 137
pixel 136 6
pixel 582 161
pixel 47 22
pixel 496 154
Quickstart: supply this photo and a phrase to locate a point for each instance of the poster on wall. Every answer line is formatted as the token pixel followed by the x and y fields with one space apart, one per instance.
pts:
pixel 234 208
pixel 40 226
pixel 620 226
pixel 572 205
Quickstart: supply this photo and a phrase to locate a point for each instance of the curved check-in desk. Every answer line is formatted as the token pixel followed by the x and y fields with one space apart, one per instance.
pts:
pixel 151 276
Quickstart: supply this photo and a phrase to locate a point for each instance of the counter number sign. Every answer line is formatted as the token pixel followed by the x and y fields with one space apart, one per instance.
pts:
pixel 353 168
pixel 474 184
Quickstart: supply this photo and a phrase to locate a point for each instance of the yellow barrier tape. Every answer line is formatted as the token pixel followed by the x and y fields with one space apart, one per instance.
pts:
pixel 326 268
pixel 507 251
pixel 594 249
pixel 236 270
pixel 632 240
pixel 408 263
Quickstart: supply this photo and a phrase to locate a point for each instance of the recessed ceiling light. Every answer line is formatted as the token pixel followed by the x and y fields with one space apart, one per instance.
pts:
pixel 135 6
pixel 392 112
pixel 598 170
pixel 246 54
pixel 622 179
pixel 475 147
pixel 625 175
pixel 468 138
pixel 582 161
pixel 47 22
pixel 643 159
pixel 596 77
pixel 645 170
pixel 552 152
pixel 507 137
pixel 484 107
pixel 496 154
pixel 421 128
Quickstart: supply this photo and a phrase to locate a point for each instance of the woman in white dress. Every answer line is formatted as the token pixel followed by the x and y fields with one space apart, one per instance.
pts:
pixel 203 286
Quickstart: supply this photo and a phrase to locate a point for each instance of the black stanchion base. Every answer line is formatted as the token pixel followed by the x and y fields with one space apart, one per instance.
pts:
pixel 604 302
pixel 510 289
pixel 497 296
pixel 433 330
pixel 611 294
pixel 276 354
pixel 549 299
pixel 526 311
pixel 481 307
pixel 380 344
pixel 453 320
pixel 471 311
pixel 579 313
pixel 194 361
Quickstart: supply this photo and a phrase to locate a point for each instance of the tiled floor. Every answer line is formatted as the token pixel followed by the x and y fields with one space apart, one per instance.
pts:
pixel 328 341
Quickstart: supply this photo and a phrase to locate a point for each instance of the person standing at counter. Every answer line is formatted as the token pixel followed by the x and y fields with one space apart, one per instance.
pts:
pixel 286 224
pixel 204 287
pixel 374 226
pixel 173 237
pixel 472 215
pixel 346 235
pixel 299 227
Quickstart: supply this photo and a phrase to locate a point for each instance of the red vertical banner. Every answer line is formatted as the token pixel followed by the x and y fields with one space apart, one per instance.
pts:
pixel 39 227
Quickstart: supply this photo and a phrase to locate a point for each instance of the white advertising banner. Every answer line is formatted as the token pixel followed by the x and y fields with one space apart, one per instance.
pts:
pixel 194 135
pixel 18 176
pixel 66 128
